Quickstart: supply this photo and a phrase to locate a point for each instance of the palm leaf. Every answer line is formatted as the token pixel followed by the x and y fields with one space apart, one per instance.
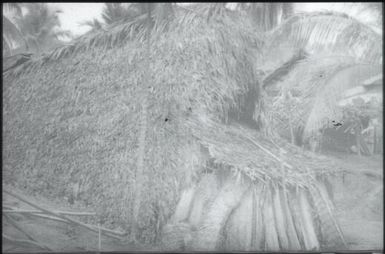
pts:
pixel 308 83
pixel 279 73
pixel 317 32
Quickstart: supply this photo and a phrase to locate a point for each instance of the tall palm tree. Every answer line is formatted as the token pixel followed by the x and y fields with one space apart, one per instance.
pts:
pixel 336 47
pixel 40 27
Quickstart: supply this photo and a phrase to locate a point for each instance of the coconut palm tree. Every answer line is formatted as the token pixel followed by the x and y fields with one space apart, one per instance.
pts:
pixel 40 27
pixel 334 55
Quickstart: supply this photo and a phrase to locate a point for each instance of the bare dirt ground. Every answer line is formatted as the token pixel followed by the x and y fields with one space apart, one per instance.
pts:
pixel 57 236
pixel 359 205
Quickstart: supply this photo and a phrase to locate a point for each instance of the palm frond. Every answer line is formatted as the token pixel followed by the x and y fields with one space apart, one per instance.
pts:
pixel 302 82
pixel 368 13
pixel 318 85
pixel 326 102
pixel 283 70
pixel 316 32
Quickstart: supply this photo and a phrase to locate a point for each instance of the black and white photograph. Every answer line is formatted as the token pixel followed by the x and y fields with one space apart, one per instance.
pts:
pixel 192 127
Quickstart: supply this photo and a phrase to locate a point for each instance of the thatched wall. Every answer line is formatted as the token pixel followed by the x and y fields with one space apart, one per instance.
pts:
pixel 71 117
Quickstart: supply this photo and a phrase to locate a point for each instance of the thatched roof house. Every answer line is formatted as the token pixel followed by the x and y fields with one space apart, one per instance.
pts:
pixel 71 118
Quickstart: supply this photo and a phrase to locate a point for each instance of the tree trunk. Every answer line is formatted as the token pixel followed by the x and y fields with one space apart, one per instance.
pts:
pixel 142 136
pixel 210 229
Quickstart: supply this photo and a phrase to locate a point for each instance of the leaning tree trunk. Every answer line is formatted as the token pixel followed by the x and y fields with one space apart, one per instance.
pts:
pixel 142 136
pixel 209 232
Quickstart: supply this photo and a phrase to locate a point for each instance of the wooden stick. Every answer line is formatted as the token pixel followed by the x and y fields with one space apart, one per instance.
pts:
pixel 23 241
pixel 17 226
pixel 72 221
pixel 15 210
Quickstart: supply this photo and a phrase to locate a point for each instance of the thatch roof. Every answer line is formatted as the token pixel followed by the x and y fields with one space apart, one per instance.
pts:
pixel 257 156
pixel 71 116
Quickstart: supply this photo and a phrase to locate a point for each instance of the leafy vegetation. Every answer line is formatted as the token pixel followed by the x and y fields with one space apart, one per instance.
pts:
pixel 37 30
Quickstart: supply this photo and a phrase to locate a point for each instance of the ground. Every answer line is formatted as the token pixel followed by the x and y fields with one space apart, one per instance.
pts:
pixel 359 205
pixel 358 209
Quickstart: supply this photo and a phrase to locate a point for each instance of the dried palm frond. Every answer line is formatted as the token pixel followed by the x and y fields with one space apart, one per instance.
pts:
pixel 331 234
pixel 238 229
pixel 212 224
pixel 297 218
pixel 182 210
pixel 271 236
pixel 280 219
pixel 309 232
pixel 202 199
pixel 294 243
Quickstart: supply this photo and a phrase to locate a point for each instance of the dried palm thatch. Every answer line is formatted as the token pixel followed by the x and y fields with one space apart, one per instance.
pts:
pixel 271 207
pixel 71 116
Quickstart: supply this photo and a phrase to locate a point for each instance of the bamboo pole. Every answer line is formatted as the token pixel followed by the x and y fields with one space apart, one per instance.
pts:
pixel 45 217
pixel 72 221
pixel 15 210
